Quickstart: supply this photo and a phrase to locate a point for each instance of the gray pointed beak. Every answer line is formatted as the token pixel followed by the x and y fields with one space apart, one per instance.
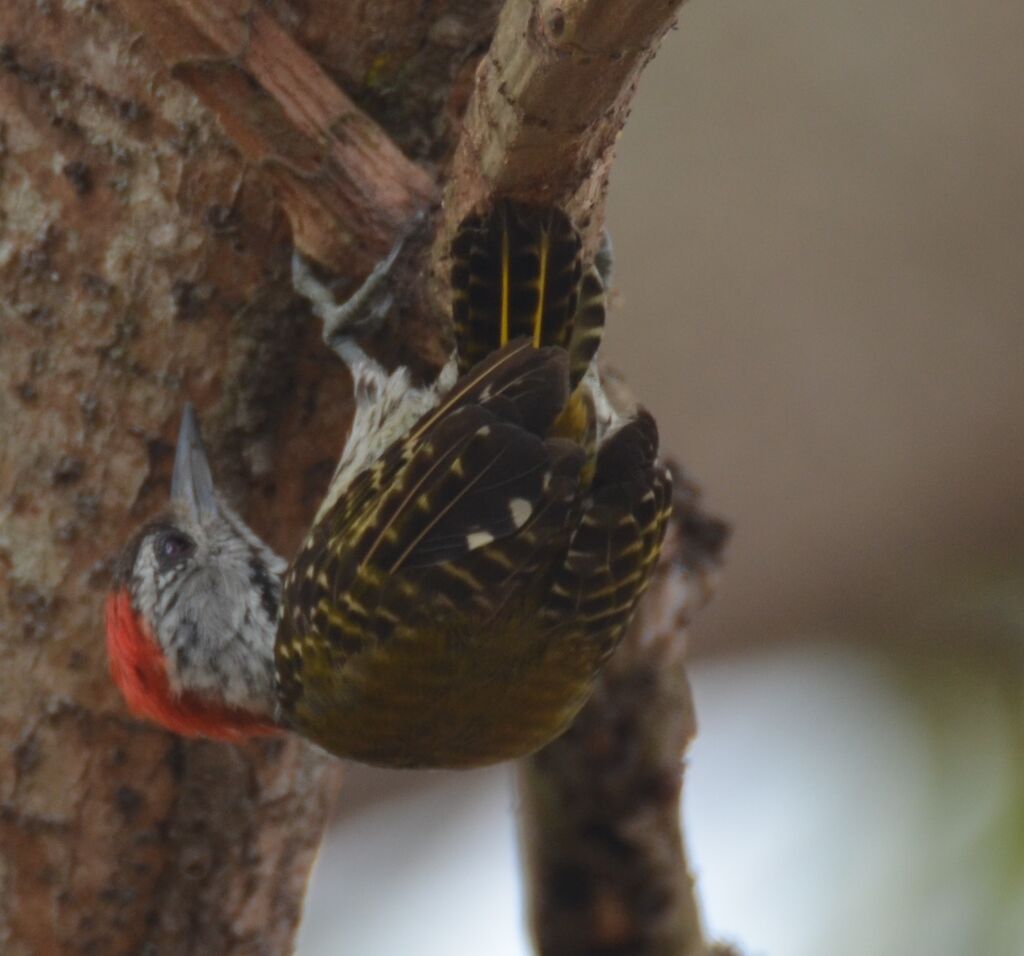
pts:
pixel 192 483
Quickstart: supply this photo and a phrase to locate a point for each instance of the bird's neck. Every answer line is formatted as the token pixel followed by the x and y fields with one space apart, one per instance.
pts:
pixel 139 668
pixel 387 405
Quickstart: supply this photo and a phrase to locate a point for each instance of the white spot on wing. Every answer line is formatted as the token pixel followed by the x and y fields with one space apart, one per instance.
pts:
pixel 520 509
pixel 477 539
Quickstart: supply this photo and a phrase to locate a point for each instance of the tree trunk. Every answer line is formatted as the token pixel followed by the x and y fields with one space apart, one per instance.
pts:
pixel 157 158
pixel 142 263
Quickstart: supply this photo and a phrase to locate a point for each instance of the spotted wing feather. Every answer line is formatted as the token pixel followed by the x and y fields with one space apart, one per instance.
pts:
pixel 473 474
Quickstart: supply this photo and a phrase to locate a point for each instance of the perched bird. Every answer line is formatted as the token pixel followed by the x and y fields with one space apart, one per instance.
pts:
pixel 477 557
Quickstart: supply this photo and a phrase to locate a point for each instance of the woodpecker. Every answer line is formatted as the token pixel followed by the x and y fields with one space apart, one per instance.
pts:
pixel 478 554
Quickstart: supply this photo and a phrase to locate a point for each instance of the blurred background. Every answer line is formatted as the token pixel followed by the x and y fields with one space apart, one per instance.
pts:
pixel 818 218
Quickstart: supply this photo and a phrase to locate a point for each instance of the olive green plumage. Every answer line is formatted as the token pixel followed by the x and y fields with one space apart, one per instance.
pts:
pixel 455 604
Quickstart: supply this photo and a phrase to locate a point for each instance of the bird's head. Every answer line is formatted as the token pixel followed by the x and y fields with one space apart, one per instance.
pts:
pixel 192 613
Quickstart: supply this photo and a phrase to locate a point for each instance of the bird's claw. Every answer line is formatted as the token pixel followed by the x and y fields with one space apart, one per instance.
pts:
pixel 362 312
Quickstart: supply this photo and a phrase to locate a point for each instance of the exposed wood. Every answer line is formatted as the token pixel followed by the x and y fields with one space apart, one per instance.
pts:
pixel 347 189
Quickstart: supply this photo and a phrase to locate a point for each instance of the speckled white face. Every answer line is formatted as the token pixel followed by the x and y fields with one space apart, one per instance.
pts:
pixel 210 591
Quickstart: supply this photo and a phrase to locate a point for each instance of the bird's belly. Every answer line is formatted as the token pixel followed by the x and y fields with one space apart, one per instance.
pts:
pixel 463 698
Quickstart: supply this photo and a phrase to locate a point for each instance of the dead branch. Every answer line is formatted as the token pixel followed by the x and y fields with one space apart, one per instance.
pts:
pixel 607 866
pixel 601 805
pixel 551 97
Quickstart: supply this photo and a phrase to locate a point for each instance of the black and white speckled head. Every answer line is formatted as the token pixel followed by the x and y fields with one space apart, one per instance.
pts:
pixel 207 589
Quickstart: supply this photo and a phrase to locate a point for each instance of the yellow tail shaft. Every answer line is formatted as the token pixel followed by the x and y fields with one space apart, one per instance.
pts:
pixel 517 272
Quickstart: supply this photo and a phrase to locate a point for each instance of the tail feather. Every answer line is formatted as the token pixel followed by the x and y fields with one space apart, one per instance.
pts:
pixel 517 272
pixel 587 325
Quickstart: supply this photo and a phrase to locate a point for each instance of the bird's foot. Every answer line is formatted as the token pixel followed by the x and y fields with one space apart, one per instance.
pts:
pixel 362 313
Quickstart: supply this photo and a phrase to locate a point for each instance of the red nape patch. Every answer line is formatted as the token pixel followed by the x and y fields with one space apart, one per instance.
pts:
pixel 137 667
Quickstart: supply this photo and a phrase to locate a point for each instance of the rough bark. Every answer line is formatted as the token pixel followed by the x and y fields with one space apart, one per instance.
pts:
pixel 154 158
pixel 346 187
pixel 141 262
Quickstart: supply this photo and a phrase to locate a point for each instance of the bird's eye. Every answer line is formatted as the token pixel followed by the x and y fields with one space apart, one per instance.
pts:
pixel 173 546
